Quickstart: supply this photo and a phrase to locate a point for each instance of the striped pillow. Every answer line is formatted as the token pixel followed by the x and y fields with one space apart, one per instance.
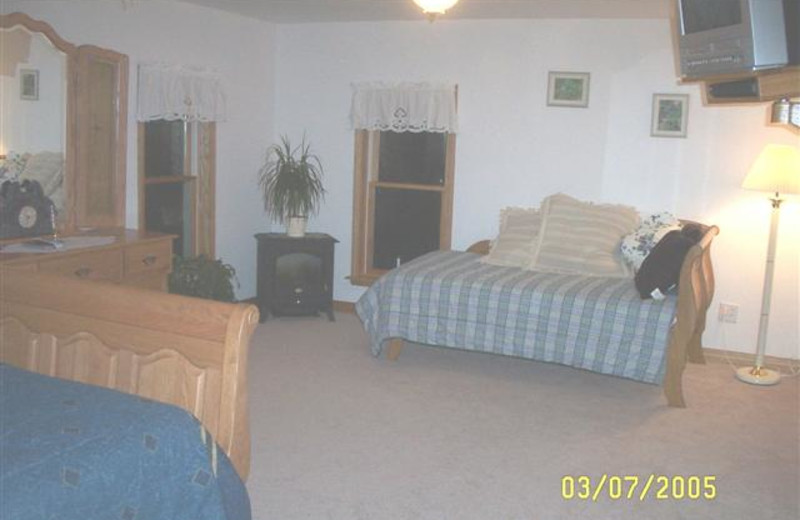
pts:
pixel 582 238
pixel 514 244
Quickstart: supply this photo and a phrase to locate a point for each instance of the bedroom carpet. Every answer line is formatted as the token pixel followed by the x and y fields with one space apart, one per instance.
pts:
pixel 338 434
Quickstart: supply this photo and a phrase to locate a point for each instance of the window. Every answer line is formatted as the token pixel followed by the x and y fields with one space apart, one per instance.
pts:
pixel 176 183
pixel 403 199
pixel 403 182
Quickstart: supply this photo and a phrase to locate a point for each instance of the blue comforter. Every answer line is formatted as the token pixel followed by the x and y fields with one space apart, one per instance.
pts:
pixel 73 451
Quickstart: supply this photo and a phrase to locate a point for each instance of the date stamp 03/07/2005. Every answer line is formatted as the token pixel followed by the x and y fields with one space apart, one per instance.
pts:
pixel 634 487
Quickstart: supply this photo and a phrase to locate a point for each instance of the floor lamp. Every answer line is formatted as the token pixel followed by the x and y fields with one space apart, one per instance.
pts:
pixel 776 170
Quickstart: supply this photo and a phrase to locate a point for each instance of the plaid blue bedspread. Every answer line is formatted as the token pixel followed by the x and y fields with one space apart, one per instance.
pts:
pixel 449 298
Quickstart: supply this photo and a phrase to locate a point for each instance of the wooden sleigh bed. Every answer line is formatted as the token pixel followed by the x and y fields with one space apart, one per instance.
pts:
pixel 695 292
pixel 187 352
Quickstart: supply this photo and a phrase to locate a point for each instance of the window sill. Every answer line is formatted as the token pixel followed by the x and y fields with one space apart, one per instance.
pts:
pixel 366 279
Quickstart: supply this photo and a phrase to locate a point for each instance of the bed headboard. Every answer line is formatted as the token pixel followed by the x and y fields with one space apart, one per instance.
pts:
pixel 184 351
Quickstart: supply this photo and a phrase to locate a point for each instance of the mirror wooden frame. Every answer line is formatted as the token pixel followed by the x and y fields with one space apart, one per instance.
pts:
pixel 110 121
pixel 71 51
pixel 84 114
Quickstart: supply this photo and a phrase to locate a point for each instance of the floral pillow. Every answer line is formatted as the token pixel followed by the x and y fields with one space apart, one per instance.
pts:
pixel 637 245
pixel 13 165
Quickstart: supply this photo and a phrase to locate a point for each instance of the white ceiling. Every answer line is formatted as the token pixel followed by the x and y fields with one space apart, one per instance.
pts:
pixel 305 11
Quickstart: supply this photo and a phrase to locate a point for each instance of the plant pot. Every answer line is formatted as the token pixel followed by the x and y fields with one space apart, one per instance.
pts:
pixel 296 226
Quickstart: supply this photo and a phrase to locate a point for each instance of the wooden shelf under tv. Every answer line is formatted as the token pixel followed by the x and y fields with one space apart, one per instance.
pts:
pixel 772 84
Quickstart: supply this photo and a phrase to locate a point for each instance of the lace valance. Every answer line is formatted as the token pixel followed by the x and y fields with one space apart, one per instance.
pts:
pixel 404 107
pixel 178 92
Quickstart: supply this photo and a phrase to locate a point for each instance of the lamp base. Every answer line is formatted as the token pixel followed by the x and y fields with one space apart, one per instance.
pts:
pixel 758 376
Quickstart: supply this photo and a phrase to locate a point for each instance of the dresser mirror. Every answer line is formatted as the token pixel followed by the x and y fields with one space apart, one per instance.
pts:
pixel 36 140
pixel 64 120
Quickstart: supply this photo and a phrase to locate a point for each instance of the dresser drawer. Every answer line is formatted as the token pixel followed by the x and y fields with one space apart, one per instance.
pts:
pixel 95 265
pixel 148 258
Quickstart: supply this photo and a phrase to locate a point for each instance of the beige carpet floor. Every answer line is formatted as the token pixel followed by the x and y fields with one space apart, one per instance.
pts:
pixel 450 435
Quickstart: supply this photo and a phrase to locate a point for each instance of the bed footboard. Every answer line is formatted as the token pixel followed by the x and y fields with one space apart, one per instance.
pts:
pixel 183 351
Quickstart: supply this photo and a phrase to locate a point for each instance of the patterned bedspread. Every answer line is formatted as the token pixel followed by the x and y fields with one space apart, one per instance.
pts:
pixel 77 452
pixel 449 298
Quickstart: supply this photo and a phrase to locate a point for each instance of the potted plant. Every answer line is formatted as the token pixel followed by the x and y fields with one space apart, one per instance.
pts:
pixel 291 184
pixel 202 277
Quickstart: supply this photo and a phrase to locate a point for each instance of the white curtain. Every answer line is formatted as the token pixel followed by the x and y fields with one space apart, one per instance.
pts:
pixel 404 107
pixel 179 92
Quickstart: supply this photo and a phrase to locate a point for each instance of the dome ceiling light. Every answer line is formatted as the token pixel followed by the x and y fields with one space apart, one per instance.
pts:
pixel 433 8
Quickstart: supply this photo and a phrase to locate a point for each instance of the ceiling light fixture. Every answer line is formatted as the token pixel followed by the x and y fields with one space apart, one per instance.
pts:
pixel 435 7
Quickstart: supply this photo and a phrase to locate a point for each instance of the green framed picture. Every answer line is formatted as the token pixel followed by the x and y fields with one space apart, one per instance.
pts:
pixel 670 115
pixel 568 89
pixel 29 84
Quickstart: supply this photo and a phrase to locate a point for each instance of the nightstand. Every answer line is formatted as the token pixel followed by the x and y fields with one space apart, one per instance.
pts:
pixel 295 275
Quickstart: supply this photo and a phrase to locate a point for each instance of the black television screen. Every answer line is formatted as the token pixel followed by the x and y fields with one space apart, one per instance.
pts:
pixel 704 15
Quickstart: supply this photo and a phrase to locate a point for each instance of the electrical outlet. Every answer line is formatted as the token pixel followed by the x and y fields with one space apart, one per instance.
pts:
pixel 728 312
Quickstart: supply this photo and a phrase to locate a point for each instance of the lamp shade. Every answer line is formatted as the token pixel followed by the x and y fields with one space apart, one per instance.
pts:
pixel 435 6
pixel 777 170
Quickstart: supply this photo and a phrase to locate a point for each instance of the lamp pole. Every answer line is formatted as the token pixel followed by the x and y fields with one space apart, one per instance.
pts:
pixel 758 375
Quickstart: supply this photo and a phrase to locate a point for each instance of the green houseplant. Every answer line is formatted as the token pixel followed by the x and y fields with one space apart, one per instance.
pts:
pixel 291 184
pixel 202 277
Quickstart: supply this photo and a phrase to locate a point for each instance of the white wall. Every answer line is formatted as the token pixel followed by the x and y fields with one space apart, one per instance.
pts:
pixel 240 49
pixel 512 149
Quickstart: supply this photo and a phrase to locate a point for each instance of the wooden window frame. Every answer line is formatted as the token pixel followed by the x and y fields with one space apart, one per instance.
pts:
pixel 199 175
pixel 365 183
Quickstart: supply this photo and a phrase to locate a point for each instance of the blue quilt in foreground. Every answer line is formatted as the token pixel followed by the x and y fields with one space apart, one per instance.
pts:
pixel 71 451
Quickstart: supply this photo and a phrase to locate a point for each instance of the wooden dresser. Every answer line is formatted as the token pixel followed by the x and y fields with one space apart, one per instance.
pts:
pixel 139 258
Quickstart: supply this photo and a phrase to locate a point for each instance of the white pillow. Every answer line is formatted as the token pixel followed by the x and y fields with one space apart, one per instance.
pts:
pixel 47 168
pixel 637 245
pixel 513 246
pixel 582 238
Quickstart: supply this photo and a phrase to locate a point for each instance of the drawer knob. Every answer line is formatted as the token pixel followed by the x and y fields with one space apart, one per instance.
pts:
pixel 149 259
pixel 82 272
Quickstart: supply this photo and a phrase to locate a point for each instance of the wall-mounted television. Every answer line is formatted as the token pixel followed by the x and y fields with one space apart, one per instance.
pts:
pixel 732 36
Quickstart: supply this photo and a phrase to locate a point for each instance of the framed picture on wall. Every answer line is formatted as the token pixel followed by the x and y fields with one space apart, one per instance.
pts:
pixel 568 89
pixel 670 115
pixel 29 84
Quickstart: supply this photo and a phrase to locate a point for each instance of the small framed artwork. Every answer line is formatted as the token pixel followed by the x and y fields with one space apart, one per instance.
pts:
pixel 29 84
pixel 568 89
pixel 670 115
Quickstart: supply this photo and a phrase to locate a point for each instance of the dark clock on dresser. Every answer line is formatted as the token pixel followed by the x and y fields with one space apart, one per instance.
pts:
pixel 295 275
